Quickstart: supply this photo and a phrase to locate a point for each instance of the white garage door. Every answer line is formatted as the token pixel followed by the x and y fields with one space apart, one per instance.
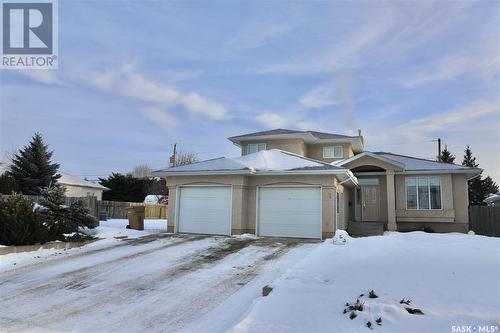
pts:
pixel 289 212
pixel 205 210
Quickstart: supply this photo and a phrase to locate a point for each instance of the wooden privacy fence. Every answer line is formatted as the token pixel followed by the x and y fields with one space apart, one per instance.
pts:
pixel 485 220
pixel 155 211
pixel 113 209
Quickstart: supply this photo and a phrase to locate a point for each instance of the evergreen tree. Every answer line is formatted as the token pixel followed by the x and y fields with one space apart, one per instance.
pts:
pixel 476 192
pixel 125 188
pixel 447 156
pixel 469 160
pixel 60 219
pixel 7 184
pixel 32 168
pixel 489 186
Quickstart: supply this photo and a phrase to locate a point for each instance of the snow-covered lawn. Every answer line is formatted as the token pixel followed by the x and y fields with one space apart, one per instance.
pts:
pixel 453 278
pixel 193 283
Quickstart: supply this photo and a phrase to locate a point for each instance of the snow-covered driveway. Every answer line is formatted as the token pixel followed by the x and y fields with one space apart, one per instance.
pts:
pixel 154 283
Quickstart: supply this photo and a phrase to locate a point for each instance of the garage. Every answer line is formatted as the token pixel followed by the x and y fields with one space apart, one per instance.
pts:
pixel 289 212
pixel 204 210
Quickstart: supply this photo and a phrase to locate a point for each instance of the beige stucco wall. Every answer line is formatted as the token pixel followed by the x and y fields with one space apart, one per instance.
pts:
pixel 453 215
pixel 344 216
pixel 80 191
pixel 316 151
pixel 244 189
pixel 296 146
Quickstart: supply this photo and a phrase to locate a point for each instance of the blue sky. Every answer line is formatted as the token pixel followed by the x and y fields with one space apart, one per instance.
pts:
pixel 134 77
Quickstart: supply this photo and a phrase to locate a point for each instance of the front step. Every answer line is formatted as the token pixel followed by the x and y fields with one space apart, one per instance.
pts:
pixel 362 229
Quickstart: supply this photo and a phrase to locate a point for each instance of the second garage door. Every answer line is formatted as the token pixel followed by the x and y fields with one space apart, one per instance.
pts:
pixel 289 212
pixel 205 210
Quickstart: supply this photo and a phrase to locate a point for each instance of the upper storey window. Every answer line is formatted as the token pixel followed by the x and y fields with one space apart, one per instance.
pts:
pixel 333 152
pixel 255 147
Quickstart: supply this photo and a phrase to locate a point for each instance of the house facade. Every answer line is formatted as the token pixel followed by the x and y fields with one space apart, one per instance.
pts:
pixel 307 184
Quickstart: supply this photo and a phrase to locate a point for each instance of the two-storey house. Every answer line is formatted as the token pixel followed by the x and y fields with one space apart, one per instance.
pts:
pixel 307 184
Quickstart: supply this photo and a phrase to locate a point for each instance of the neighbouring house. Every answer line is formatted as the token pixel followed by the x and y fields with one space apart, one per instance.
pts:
pixel 78 187
pixel 75 186
pixel 307 184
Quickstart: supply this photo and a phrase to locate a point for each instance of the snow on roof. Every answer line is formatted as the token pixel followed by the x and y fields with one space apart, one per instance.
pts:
pixel 418 164
pixel 66 179
pixel 278 160
pixel 266 160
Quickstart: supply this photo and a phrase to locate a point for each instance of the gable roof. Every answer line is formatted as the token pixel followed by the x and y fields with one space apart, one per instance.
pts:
pixel 266 162
pixel 413 164
pixel 309 137
pixel 280 131
pixel 66 179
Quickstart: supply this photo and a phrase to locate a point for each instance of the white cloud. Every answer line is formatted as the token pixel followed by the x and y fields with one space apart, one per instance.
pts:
pixel 128 83
pixel 199 105
pixel 288 120
pixel 444 121
pixel 160 116
pixel 42 75
pixel 453 66
pixel 345 51
pixel 273 120
pixel 319 97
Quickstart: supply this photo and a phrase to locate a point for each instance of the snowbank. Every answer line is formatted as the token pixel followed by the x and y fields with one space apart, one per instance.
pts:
pixel 452 278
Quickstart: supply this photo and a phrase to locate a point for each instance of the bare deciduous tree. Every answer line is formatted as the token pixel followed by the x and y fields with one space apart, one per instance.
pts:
pixel 142 171
pixel 184 158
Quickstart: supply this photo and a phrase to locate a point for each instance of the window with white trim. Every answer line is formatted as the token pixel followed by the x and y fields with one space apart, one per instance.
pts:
pixel 255 147
pixel 423 192
pixel 333 152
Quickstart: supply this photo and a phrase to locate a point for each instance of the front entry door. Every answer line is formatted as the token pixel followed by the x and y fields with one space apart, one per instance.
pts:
pixel 370 202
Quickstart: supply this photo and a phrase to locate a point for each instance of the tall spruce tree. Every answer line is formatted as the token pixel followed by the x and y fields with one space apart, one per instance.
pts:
pixel 489 186
pixel 32 168
pixel 447 156
pixel 476 193
pixel 469 159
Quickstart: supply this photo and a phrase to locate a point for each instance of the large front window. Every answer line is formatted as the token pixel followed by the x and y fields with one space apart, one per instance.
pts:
pixel 423 192
pixel 255 147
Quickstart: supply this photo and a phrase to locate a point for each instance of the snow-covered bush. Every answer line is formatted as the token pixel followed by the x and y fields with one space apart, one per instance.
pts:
pixel 24 222
pixel 19 223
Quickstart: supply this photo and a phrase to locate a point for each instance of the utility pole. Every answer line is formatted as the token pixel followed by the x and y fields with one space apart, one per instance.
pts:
pixel 174 156
pixel 439 148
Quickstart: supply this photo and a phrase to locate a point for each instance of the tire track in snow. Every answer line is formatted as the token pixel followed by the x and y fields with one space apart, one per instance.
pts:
pixel 115 294
pixel 85 273
pixel 55 261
